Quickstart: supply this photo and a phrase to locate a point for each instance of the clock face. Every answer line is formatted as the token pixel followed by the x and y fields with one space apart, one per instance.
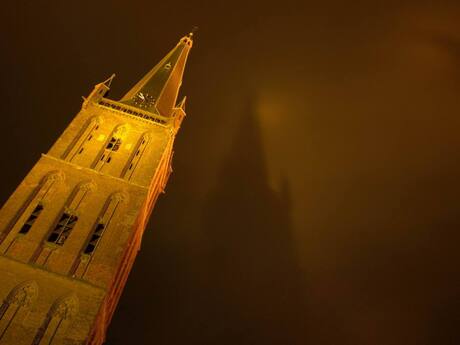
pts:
pixel 143 100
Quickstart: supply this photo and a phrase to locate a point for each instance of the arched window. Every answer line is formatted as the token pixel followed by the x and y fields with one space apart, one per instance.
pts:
pixel 30 211
pixel 16 303
pixel 57 320
pixel 111 147
pixel 69 216
pixel 84 136
pixel 100 227
pixel 136 156
pixel 64 224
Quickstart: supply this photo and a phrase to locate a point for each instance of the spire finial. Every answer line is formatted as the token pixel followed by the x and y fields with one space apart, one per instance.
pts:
pixel 192 33
pixel 108 82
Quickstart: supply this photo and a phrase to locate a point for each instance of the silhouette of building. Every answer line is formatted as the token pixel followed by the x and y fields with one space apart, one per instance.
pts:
pixel 257 289
pixel 70 232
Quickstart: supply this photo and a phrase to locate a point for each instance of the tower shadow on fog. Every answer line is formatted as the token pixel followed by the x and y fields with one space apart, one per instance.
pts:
pixel 251 274
pixel 240 283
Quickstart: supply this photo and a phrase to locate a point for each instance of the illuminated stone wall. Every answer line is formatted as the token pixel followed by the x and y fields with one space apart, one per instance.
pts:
pixel 70 232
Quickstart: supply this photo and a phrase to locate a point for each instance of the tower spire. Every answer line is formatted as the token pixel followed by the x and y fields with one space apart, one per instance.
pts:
pixel 157 91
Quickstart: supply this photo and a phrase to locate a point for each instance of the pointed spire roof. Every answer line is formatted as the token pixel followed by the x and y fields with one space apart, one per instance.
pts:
pixel 109 80
pixel 157 91
pixel 181 104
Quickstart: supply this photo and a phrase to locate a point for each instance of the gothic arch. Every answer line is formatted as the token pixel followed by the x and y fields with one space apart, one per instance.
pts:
pixel 79 193
pixel 20 298
pixel 136 155
pixel 111 146
pixel 27 210
pixel 120 130
pixel 64 223
pixel 65 307
pixel 69 216
pixel 57 319
pixel 119 196
pixel 95 236
pixel 47 182
pixel 53 176
pixel 85 135
pixel 24 294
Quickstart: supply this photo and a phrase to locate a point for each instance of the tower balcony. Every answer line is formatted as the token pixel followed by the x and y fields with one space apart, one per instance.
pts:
pixel 130 111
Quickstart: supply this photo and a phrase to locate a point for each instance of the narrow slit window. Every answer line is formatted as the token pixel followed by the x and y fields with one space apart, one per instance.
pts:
pixel 81 150
pixel 31 220
pixel 95 237
pixel 63 228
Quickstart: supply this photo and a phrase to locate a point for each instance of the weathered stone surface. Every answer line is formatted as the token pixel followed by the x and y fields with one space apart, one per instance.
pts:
pixel 70 232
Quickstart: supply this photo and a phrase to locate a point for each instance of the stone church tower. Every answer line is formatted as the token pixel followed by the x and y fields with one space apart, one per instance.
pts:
pixel 70 232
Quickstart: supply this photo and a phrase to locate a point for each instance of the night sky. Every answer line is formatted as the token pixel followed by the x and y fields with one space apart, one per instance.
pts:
pixel 315 197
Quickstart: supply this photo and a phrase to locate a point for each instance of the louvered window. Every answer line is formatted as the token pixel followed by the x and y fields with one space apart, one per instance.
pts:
pixel 63 228
pixel 95 237
pixel 31 220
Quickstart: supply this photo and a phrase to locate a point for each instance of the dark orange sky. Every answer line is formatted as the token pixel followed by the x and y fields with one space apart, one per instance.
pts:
pixel 314 198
